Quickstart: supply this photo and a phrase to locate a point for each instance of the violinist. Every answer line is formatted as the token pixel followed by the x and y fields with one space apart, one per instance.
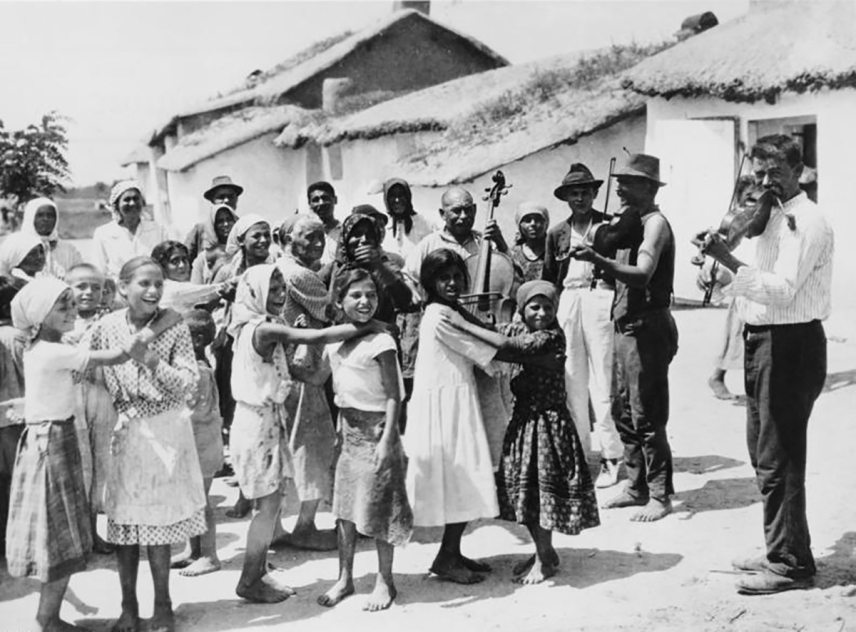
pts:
pixel 583 314
pixel 645 339
pixel 782 298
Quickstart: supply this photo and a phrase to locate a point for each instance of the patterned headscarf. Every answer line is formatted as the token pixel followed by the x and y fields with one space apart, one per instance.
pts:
pixel 116 192
pixel 347 228
pixel 28 224
pixel 15 249
pixel 34 302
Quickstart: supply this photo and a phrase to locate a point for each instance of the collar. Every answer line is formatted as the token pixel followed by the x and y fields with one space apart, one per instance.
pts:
pixel 445 235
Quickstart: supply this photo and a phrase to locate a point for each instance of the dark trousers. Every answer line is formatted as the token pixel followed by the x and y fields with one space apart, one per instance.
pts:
pixel 644 347
pixel 9 438
pixel 785 373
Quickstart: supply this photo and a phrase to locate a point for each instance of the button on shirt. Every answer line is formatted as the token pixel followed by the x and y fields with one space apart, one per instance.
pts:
pixel 790 281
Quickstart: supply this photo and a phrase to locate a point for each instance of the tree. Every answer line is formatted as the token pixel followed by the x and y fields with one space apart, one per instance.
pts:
pixel 32 160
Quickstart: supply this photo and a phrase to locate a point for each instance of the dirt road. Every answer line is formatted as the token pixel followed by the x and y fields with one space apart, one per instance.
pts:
pixel 671 575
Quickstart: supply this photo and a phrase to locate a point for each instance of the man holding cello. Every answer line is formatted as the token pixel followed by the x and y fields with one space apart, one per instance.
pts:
pixel 645 339
pixel 782 298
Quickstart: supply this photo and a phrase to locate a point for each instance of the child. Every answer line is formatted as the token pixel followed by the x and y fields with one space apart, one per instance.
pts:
pixel 179 293
pixel 155 494
pixel 49 533
pixel 528 252
pixel 87 283
pixel 543 480
pixel 368 494
pixel 258 445
pixel 450 473
pixel 200 557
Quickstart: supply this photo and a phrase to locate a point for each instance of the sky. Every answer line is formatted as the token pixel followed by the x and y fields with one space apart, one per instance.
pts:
pixel 118 70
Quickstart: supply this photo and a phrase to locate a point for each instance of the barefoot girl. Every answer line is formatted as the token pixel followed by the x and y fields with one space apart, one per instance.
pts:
pixel 49 534
pixel 543 481
pixel 155 496
pixel 368 495
pixel 259 445
pixel 450 474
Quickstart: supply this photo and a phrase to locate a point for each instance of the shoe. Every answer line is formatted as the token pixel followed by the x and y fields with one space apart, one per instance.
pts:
pixel 608 473
pixel 769 584
pixel 751 564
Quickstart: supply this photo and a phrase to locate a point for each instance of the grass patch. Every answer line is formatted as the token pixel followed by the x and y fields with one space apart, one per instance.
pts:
pixel 79 217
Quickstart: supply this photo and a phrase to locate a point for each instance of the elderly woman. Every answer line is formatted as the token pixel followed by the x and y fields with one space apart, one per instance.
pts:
pixel 215 234
pixel 41 218
pixel 532 221
pixel 22 257
pixel 129 235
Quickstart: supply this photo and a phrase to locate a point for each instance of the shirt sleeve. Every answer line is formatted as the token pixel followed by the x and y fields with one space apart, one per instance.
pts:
pixel 466 345
pixel 180 373
pixel 799 252
pixel 381 344
pixel 69 357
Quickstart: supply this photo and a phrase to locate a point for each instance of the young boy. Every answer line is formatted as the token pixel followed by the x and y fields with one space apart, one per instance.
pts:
pixel 200 556
pixel 87 283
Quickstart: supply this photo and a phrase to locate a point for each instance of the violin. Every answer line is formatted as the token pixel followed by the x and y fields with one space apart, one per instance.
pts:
pixel 491 272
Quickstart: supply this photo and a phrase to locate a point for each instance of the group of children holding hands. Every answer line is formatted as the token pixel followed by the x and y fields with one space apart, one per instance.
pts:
pixel 146 376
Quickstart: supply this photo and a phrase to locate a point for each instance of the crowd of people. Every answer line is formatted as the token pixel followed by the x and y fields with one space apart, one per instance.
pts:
pixel 340 355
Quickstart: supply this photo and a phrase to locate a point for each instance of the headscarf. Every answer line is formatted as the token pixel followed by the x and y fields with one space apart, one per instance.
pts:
pixel 538 287
pixel 34 302
pixel 233 246
pixel 531 208
pixel 116 192
pixel 303 219
pixel 347 228
pixel 28 224
pixel 407 218
pixel 209 233
pixel 251 298
pixel 15 249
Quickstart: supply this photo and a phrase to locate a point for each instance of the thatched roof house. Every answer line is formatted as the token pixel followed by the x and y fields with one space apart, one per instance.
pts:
pixel 784 47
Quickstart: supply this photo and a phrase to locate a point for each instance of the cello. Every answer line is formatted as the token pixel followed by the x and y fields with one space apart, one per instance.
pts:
pixel 491 273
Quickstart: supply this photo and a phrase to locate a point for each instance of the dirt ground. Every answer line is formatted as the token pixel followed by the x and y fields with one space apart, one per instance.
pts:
pixel 670 575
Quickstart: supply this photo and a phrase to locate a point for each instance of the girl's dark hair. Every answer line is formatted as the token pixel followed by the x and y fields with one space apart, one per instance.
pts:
pixel 347 277
pixel 132 265
pixel 436 262
pixel 165 249
pixel 201 321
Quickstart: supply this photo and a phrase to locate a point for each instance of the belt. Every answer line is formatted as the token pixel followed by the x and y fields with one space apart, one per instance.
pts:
pixel 757 329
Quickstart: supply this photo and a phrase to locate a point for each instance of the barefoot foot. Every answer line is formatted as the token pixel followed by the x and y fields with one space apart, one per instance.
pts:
pixel 474 566
pixel 340 590
pixel 242 507
pixel 537 574
pixel 654 510
pixel 382 596
pixel 624 499
pixel 201 566
pixel 58 625
pixel 182 560
pixel 310 539
pixel 526 565
pixel 720 390
pixel 129 621
pixel 163 619
pixel 265 590
pixel 451 569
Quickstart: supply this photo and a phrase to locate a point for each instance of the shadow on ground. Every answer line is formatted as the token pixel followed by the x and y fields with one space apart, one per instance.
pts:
pixel 838 568
pixel 841 379
pixel 718 495
pixel 704 464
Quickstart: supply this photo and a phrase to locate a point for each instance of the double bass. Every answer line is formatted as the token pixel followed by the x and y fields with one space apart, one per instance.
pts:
pixel 491 272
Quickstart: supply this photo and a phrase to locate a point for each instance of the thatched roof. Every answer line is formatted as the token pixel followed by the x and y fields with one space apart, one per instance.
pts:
pixel 492 118
pixel 789 47
pixel 314 60
pixel 230 131
pixel 139 154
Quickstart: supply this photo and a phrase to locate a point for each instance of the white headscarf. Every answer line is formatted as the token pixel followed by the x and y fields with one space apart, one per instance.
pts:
pixel 251 298
pixel 34 302
pixel 116 192
pixel 15 249
pixel 233 246
pixel 28 224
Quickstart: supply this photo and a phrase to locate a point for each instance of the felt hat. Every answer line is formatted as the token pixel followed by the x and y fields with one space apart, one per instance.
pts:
pixel 578 176
pixel 222 181
pixel 641 166
pixel 371 211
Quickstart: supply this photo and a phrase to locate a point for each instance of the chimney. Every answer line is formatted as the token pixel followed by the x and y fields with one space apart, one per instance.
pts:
pixel 696 24
pixel 423 6
pixel 332 91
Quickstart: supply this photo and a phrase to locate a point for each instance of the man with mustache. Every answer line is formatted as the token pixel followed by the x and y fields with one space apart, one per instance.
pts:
pixel 646 338
pixel 782 298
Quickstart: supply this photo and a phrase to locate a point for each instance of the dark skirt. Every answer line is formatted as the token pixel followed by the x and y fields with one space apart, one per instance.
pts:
pixel 48 535
pixel 373 497
pixel 543 478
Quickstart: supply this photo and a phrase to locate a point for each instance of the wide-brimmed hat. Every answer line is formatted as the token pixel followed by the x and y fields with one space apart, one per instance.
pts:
pixel 222 181
pixel 641 166
pixel 578 176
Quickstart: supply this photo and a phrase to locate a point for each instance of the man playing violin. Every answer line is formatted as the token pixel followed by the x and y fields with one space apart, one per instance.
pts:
pixel 782 298
pixel 584 315
pixel 645 338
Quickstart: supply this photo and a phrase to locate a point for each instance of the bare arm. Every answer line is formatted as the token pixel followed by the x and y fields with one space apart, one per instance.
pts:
pixel 389 378
pixel 268 334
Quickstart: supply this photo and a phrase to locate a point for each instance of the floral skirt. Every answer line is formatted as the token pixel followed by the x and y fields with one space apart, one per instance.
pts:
pixel 48 534
pixel 370 494
pixel 543 477
pixel 153 535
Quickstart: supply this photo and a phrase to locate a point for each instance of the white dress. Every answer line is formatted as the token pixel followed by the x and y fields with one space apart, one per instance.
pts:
pixel 450 473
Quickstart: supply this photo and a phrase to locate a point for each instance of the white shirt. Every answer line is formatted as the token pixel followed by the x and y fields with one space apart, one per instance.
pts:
pixel 791 278
pixel 50 394
pixel 331 242
pixel 402 244
pixel 357 373
pixel 114 245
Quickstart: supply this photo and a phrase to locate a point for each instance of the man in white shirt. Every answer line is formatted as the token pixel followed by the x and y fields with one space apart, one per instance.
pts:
pixel 782 298
pixel 322 201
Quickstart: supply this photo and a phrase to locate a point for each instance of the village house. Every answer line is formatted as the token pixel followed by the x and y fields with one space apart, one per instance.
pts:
pixel 233 133
pixel 784 67
pixel 530 120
